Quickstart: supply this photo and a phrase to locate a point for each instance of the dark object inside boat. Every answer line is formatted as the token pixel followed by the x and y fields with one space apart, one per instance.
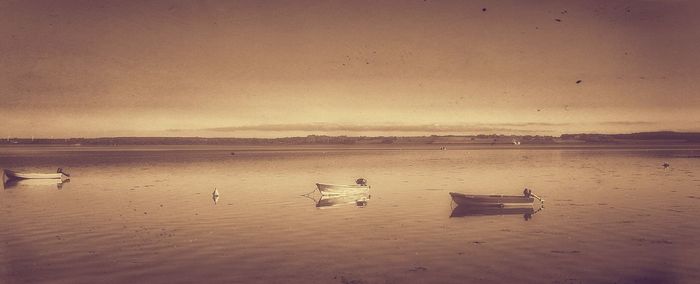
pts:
pixel 60 170
pixel 361 181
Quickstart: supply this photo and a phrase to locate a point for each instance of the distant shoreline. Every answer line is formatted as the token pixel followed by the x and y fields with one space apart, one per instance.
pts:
pixel 653 138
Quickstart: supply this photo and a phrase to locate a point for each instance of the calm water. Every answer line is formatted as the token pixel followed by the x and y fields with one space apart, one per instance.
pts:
pixel 146 215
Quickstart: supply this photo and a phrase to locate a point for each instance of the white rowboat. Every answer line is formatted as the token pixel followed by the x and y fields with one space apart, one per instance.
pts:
pixel 462 211
pixel 337 189
pixel 17 175
pixel 491 200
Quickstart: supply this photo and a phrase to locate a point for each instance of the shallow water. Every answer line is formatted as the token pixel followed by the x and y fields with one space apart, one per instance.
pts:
pixel 146 215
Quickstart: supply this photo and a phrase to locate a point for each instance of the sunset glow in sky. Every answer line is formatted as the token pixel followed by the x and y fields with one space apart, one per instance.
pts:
pixel 287 68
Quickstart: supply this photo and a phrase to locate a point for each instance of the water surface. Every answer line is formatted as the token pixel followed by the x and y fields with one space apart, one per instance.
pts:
pixel 146 215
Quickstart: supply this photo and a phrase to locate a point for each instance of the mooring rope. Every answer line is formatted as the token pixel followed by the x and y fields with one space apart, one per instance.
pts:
pixel 309 193
pixel 538 198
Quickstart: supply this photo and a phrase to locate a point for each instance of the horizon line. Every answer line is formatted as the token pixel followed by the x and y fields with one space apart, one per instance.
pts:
pixel 356 136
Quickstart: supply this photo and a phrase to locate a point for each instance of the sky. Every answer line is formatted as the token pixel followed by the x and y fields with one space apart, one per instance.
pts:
pixel 294 68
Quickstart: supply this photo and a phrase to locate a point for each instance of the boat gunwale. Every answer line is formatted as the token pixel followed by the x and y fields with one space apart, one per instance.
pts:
pixel 491 200
pixel 335 189
pixel 343 185
pixel 471 196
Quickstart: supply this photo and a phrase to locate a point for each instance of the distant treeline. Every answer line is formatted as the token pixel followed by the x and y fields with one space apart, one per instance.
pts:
pixel 307 140
pixel 662 136
pixel 645 137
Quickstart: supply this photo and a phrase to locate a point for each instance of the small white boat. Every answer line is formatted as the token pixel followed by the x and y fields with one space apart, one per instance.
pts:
pixel 495 200
pixel 490 200
pixel 59 174
pixel 338 189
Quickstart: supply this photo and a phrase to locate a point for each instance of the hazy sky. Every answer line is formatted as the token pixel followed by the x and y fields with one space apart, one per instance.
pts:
pixel 279 68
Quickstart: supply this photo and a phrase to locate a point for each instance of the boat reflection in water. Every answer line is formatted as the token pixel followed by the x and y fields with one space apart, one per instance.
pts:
pixel 330 201
pixel 464 211
pixel 20 183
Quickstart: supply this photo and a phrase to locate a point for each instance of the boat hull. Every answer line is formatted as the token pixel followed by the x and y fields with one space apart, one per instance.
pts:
pixel 33 183
pixel 463 211
pixel 336 189
pixel 491 200
pixel 17 175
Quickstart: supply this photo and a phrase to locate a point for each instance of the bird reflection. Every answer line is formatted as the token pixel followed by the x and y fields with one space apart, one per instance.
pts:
pixel 215 196
pixel 465 211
